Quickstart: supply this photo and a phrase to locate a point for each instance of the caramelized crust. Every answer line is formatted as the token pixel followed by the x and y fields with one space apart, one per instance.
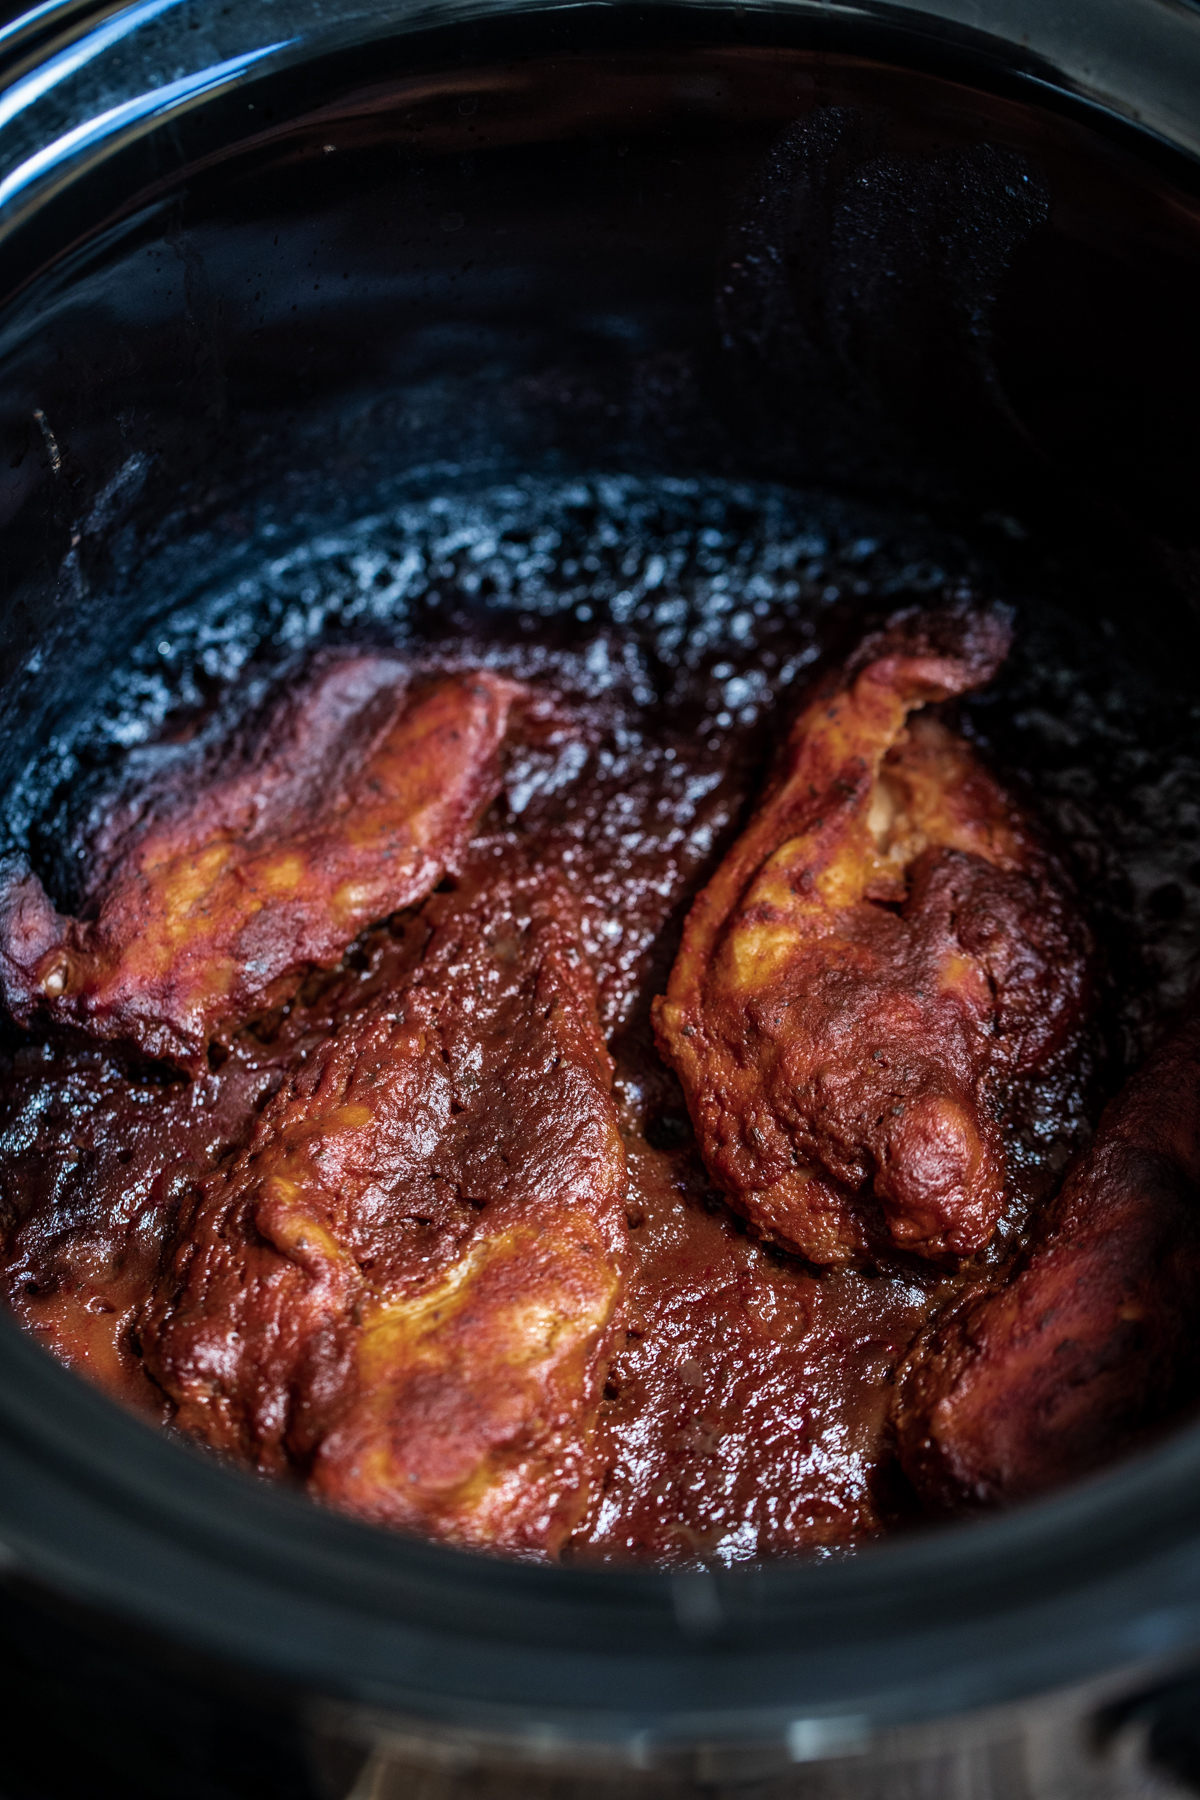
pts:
pixel 883 948
pixel 1092 1334
pixel 362 795
pixel 404 1286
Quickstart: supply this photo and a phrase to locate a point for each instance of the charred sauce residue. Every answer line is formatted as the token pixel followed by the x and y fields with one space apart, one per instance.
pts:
pixel 747 1399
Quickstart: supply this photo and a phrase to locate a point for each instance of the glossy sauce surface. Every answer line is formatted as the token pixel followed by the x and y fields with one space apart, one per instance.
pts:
pixel 746 1405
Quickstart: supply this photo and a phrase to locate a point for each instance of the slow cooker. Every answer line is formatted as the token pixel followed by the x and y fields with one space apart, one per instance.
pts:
pixel 262 263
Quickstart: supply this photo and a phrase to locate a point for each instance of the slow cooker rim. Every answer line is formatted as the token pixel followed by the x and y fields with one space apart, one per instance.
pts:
pixel 205 1523
pixel 941 39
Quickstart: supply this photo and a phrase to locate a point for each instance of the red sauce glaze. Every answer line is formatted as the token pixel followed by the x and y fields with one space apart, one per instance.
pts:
pixel 749 1393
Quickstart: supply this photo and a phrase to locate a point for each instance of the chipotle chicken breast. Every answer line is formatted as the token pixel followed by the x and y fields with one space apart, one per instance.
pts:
pixel 206 908
pixel 1042 1371
pixel 404 1286
pixel 883 950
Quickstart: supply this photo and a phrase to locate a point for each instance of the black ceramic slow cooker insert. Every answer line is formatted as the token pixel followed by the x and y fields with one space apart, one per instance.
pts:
pixel 269 272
